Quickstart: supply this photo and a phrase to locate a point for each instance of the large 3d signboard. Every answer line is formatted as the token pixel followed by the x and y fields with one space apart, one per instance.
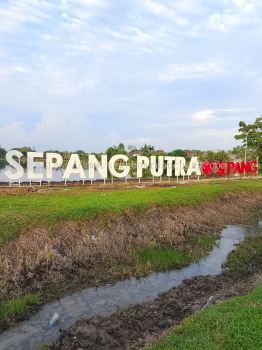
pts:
pixel 118 166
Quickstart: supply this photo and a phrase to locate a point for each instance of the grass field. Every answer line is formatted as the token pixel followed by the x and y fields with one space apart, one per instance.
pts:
pixel 16 306
pixel 20 212
pixel 48 208
pixel 235 324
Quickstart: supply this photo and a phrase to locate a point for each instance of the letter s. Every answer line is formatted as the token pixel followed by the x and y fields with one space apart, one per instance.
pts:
pixel 13 163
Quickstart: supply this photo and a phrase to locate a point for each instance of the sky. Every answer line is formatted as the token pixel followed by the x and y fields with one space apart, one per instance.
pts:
pixel 88 74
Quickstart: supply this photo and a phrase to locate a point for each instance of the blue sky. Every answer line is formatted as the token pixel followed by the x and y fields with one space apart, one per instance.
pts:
pixel 86 74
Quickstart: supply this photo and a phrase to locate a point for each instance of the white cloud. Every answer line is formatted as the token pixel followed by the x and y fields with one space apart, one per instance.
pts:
pixel 12 70
pixel 15 13
pixel 204 116
pixel 156 8
pixel 202 70
pixel 236 14
pixel 248 7
pixel 163 10
pixel 89 3
pixel 55 126
pixel 111 60
pixel 138 35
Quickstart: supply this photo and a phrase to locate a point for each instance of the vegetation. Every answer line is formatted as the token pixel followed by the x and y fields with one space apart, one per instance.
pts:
pixel 251 136
pixel 178 153
pixel 17 306
pixel 2 157
pixel 246 255
pixel 114 150
pixel 2 153
pixel 63 248
pixel 214 156
pixel 147 150
pixel 20 212
pixel 234 324
pixel 157 258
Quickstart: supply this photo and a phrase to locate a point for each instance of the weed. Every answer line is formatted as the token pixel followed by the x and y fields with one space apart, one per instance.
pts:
pixel 16 306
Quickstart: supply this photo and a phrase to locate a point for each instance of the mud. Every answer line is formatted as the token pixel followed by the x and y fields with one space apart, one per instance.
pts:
pixel 134 326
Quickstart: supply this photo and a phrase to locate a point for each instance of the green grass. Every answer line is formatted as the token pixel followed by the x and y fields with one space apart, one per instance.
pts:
pixel 15 307
pixel 160 258
pixel 205 241
pixel 233 325
pixel 20 212
pixel 200 246
pixel 156 258
pixel 246 255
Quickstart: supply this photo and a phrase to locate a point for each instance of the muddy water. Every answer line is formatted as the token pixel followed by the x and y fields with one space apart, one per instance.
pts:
pixel 104 300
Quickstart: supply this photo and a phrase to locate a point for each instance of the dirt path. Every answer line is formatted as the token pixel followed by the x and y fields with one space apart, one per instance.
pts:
pixel 132 327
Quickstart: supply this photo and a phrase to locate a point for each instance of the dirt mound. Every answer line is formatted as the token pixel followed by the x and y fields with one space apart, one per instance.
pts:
pixel 132 327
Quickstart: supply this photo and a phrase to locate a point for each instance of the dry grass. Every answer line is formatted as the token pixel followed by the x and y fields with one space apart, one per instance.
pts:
pixel 40 258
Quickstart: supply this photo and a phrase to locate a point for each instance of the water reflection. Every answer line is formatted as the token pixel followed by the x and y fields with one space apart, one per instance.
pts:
pixel 57 174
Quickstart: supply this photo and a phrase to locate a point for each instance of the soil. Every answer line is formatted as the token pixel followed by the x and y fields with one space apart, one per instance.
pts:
pixel 131 328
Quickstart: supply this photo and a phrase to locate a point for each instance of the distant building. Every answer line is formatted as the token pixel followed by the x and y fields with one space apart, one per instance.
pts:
pixel 135 153
pixel 191 153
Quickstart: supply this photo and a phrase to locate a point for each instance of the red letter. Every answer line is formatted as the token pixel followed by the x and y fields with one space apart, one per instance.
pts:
pixel 251 167
pixel 221 168
pixel 207 168
pixel 239 168
pixel 230 165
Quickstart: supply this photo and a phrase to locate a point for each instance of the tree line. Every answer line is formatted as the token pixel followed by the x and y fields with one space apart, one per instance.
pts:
pixel 249 134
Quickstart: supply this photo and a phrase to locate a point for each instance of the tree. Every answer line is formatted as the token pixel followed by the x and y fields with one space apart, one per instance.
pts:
pixel 2 153
pixel 147 150
pixel 222 156
pixel 251 136
pixel 112 151
pixel 178 153
pixel 239 153
pixel 131 148
pixel 121 148
pixel 25 149
pixel 207 156
pixel 2 158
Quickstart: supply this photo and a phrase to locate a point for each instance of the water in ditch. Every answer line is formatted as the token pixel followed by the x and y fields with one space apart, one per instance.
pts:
pixel 36 331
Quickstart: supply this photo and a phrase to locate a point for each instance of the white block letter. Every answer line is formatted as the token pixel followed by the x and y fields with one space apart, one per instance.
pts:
pixel 142 163
pixel 31 165
pixel 180 166
pixel 74 166
pixel 194 167
pixel 93 164
pixel 157 169
pixel 53 161
pixel 19 169
pixel 169 165
pixel 125 169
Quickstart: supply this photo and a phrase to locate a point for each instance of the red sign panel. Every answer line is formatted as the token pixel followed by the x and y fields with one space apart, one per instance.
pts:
pixel 230 168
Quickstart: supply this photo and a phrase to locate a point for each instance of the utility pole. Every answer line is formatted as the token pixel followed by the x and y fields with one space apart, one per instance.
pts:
pixel 246 149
